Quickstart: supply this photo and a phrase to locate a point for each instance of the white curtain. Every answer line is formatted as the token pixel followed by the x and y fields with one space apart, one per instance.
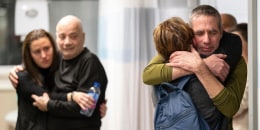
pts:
pixel 125 46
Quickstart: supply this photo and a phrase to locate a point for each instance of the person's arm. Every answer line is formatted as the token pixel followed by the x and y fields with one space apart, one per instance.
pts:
pixel 90 71
pixel 15 79
pixel 229 99
pixel 70 108
pixel 81 98
pixel 191 61
pixel 218 66
pixel 244 104
pixel 157 71
pixel 27 86
pixel 43 102
pixel 231 45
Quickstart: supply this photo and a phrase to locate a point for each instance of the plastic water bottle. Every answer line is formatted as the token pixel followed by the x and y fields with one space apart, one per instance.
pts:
pixel 94 91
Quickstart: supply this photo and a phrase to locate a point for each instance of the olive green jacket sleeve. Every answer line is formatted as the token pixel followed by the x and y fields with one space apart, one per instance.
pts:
pixel 156 71
pixel 229 99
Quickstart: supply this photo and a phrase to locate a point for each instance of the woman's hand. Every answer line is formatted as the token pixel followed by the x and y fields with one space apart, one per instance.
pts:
pixel 41 101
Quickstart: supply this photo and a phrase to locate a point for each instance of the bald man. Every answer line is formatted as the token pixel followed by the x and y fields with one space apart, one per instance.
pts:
pixel 228 21
pixel 78 70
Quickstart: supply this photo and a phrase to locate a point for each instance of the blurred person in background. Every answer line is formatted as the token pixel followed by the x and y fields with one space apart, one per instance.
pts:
pixel 228 21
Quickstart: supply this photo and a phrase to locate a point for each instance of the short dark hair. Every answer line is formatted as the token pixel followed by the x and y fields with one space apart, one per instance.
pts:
pixel 206 10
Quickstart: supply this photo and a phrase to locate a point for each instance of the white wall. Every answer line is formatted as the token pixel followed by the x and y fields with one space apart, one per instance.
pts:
pixel 238 8
pixel 8 97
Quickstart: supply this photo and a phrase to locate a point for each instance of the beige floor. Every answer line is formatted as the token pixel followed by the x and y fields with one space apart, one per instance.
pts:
pixel 8 104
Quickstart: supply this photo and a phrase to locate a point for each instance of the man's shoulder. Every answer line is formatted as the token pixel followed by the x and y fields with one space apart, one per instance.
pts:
pixel 242 63
pixel 241 68
pixel 230 37
pixel 88 55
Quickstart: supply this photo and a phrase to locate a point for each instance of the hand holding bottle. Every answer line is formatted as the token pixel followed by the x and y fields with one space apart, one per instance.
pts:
pixel 83 99
pixel 94 91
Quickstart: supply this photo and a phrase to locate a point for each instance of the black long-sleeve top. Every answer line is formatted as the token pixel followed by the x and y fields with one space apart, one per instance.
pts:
pixel 77 74
pixel 29 117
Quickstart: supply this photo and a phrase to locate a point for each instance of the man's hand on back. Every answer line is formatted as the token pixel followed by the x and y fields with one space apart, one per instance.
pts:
pixel 217 65
pixel 13 76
